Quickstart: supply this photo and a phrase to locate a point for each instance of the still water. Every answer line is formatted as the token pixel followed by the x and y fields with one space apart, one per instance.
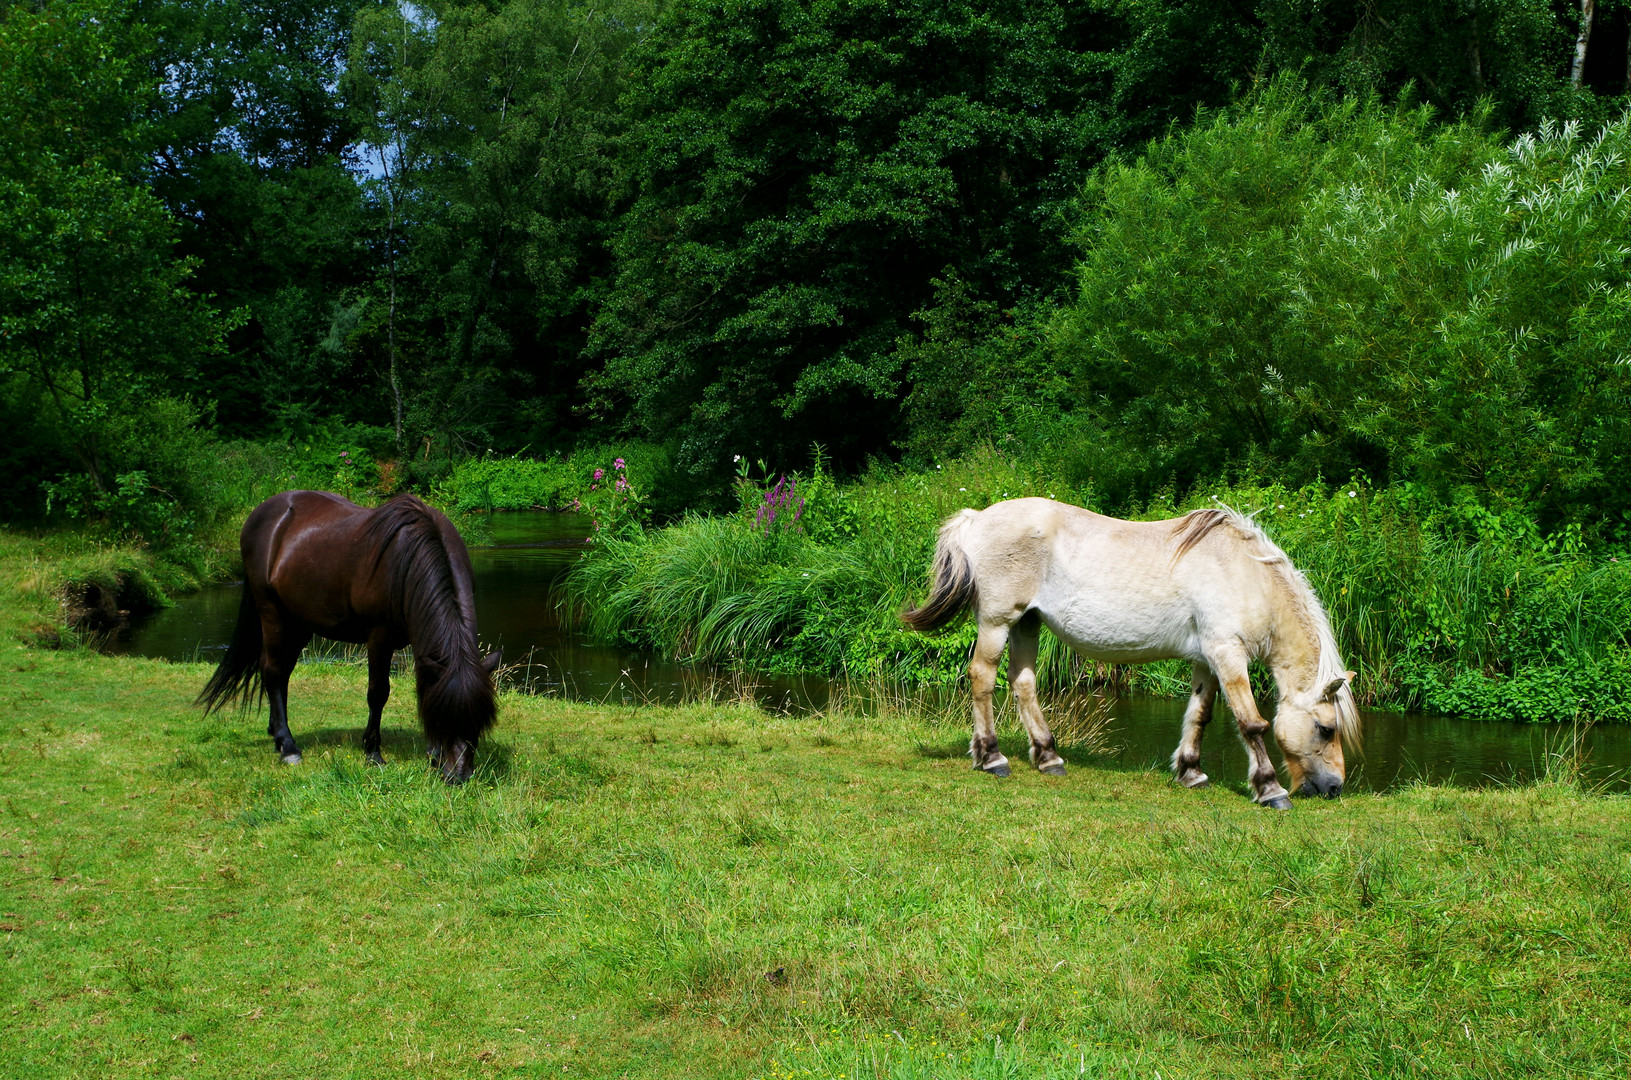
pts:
pixel 523 556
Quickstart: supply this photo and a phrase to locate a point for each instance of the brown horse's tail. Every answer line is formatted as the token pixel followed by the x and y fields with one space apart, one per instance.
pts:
pixel 953 590
pixel 238 676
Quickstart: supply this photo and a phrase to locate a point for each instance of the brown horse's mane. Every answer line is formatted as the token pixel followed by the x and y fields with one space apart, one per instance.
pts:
pixel 456 696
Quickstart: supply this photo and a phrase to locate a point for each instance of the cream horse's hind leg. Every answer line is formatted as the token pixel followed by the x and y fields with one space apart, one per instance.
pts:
pixel 1230 665
pixel 1186 760
pixel 982 675
pixel 1023 642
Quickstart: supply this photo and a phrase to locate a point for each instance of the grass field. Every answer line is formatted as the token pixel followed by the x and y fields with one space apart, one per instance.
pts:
pixel 710 890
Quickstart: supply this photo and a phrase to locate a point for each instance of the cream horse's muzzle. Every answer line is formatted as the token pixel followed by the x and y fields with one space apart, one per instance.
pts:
pixel 1326 787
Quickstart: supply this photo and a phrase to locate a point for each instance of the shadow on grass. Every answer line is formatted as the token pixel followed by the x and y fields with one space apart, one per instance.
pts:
pixel 393 742
pixel 1017 749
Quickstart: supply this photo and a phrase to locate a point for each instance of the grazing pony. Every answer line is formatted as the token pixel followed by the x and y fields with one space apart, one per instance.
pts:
pixel 1209 587
pixel 399 575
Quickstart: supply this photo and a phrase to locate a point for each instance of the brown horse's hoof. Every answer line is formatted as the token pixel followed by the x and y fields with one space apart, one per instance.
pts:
pixel 1279 802
pixel 292 759
pixel 1056 769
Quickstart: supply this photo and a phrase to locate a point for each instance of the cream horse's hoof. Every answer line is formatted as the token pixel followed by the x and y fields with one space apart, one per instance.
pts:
pixel 1194 778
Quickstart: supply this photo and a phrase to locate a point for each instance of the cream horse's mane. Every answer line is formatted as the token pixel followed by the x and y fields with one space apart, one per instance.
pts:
pixel 1195 525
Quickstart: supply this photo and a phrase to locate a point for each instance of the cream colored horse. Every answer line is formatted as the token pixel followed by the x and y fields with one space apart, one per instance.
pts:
pixel 1209 587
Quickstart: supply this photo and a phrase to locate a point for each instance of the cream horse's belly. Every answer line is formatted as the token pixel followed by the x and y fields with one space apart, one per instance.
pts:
pixel 1104 621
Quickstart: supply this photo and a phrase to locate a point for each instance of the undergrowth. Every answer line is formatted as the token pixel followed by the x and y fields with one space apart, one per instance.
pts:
pixel 1444 605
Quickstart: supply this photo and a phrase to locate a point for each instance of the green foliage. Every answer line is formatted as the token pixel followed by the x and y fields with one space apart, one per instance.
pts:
pixel 802 173
pixel 822 596
pixel 493 130
pixel 1447 606
pixel 570 482
pixel 1302 289
pixel 96 320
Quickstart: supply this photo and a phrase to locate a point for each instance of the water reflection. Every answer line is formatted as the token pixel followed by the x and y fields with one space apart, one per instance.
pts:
pixel 517 607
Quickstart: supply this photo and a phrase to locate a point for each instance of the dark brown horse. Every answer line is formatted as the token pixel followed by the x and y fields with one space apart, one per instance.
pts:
pixel 399 575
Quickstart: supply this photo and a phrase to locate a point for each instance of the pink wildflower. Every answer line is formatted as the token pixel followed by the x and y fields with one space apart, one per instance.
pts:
pixel 598 474
pixel 618 464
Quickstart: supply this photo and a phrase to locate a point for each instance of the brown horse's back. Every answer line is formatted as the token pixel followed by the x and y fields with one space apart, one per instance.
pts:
pixel 304 556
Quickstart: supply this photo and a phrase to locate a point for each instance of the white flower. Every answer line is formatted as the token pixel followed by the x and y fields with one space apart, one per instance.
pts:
pixel 737 458
pixel 962 489
pixel 1353 494
pixel 1282 506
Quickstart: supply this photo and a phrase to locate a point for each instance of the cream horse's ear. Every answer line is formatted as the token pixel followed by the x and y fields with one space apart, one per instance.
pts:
pixel 1336 686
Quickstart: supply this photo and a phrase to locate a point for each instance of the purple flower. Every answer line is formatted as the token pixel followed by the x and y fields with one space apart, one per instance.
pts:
pixel 618 464
pixel 622 484
pixel 598 474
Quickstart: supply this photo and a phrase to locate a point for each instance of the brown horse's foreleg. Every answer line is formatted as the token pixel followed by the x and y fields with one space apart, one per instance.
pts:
pixel 280 651
pixel 1186 760
pixel 982 676
pixel 1237 689
pixel 379 691
pixel 1023 643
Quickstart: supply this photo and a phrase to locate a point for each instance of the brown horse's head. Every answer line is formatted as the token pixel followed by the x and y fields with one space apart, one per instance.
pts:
pixel 457 705
pixel 1310 726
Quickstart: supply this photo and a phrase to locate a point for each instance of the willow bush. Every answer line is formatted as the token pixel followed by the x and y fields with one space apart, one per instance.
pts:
pixel 1303 289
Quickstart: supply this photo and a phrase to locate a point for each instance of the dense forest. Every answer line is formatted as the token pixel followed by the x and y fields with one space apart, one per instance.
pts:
pixel 1167 240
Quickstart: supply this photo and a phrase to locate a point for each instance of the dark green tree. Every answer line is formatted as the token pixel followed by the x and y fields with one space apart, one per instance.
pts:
pixel 97 320
pixel 254 151
pixel 494 131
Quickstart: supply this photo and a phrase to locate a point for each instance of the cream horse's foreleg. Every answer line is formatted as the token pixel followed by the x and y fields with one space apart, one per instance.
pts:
pixel 1023 643
pixel 982 676
pixel 1232 674
pixel 1186 760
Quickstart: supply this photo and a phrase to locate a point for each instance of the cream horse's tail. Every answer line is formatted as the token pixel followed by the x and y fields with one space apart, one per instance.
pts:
pixel 953 590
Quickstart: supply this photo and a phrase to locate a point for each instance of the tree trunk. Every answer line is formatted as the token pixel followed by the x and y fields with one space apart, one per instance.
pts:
pixel 1588 11
pixel 1475 58
pixel 390 337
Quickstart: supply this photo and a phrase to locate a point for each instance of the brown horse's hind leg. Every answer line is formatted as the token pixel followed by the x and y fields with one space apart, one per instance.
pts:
pixel 1023 642
pixel 280 652
pixel 1237 689
pixel 1186 760
pixel 982 675
pixel 379 692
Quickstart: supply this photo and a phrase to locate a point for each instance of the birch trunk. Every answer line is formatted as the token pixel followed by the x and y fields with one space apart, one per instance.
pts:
pixel 1588 12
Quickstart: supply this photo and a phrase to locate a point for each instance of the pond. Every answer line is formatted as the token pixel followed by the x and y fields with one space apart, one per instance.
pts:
pixel 525 554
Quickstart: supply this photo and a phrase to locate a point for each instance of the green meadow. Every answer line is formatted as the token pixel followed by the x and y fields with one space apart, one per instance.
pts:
pixel 711 890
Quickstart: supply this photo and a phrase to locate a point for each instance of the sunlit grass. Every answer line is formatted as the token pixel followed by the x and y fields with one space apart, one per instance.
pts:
pixel 713 890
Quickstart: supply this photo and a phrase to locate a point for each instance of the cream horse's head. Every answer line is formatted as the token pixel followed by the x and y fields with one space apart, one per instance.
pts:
pixel 1310 727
